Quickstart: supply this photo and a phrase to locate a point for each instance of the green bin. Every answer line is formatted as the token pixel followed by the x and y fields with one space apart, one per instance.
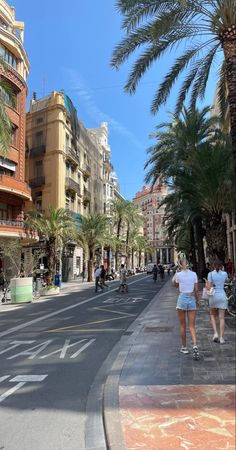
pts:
pixel 21 290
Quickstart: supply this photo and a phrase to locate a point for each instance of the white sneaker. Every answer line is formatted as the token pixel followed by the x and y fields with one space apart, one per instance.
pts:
pixel 222 341
pixel 184 350
pixel 215 338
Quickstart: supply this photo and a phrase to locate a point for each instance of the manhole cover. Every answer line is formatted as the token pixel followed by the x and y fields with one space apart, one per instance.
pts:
pixel 157 329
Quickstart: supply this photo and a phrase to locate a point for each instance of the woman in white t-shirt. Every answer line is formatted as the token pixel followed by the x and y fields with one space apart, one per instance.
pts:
pixel 187 282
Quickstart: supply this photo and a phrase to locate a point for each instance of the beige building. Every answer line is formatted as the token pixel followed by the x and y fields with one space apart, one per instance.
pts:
pixel 66 164
pixel 148 200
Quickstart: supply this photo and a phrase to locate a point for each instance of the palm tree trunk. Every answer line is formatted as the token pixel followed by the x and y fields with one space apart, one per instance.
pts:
pixel 200 248
pixel 117 235
pixel 229 47
pixel 90 265
pixel 216 239
pixel 193 259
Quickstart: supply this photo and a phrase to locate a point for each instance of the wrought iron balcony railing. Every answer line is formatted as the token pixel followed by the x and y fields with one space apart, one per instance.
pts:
pixel 37 182
pixel 37 151
pixel 72 184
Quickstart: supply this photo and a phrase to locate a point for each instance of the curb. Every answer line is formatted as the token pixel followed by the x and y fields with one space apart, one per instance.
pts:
pixel 111 413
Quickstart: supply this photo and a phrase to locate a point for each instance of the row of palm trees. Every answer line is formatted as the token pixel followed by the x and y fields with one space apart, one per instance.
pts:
pixel 193 156
pixel 119 232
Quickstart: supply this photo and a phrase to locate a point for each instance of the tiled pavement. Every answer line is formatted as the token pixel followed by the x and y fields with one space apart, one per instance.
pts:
pixel 158 399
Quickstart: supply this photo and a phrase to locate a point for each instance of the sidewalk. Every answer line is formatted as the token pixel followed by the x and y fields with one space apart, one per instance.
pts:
pixel 156 398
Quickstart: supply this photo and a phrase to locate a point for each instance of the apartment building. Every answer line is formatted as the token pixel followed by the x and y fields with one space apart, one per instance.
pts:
pixel 14 192
pixel 148 200
pixel 65 164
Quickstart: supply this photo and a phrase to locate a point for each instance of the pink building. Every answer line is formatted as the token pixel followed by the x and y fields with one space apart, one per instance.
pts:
pixel 148 201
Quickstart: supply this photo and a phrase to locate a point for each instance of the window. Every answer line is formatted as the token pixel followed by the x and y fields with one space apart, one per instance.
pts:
pixel 8 57
pixel 9 99
pixel 14 136
pixel 39 169
pixel 38 139
pixel 39 120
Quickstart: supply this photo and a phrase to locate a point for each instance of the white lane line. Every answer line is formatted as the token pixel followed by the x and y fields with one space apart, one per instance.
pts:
pixel 4 377
pixel 55 313
pixel 26 378
pixel 11 391
pixel 83 348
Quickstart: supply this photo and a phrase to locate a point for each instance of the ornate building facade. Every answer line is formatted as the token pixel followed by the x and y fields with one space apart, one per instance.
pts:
pixel 148 200
pixel 14 192
pixel 67 165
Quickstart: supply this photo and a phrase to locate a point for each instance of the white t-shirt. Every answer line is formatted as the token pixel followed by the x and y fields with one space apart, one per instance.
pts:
pixel 97 272
pixel 186 279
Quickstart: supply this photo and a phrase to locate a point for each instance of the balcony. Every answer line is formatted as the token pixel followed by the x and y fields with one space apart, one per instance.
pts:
pixel 86 196
pixel 86 169
pixel 12 185
pixel 37 182
pixel 72 185
pixel 17 229
pixel 37 151
pixel 72 156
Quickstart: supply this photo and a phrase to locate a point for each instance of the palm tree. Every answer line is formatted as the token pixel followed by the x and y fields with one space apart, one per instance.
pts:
pixel 92 235
pixel 56 228
pixel 210 196
pixel 205 28
pixel 119 213
pixel 5 123
pixel 134 220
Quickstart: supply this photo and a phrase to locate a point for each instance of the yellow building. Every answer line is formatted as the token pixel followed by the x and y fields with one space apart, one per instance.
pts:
pixel 65 163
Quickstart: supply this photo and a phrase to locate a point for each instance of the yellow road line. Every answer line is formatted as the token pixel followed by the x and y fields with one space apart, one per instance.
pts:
pixel 89 323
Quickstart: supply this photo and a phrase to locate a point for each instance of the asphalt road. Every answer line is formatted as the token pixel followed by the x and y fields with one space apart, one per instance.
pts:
pixel 54 358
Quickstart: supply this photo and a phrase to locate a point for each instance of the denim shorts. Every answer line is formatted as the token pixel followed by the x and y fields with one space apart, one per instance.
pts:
pixel 187 302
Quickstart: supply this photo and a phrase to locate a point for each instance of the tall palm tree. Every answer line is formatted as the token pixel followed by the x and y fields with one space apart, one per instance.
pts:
pixel 204 28
pixel 210 196
pixel 119 213
pixel 5 123
pixel 92 235
pixel 56 228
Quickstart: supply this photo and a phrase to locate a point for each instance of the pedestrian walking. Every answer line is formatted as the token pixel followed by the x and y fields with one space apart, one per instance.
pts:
pixel 2 283
pixel 155 272
pixel 187 283
pixel 218 301
pixel 97 275
pixel 103 276
pixel 161 271
pixel 123 287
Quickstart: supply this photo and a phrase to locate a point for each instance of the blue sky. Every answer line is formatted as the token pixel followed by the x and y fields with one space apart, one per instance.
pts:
pixel 69 47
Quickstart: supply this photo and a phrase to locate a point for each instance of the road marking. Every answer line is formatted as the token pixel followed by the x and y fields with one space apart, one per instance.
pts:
pixel 55 313
pixel 4 377
pixel 15 344
pixel 26 378
pixel 83 348
pixel 88 323
pixel 22 380
pixel 64 348
pixel 103 308
pixel 30 351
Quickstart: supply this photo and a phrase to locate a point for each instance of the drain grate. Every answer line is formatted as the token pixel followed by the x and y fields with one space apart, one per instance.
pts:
pixel 158 329
pixel 127 333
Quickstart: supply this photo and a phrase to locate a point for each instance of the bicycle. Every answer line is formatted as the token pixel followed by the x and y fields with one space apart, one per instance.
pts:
pixel 6 293
pixel 230 290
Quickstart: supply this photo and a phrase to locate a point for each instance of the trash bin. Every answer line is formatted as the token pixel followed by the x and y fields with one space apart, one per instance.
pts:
pixel 57 280
pixel 21 290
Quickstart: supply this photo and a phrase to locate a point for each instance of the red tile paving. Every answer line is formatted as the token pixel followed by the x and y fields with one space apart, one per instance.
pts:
pixel 178 417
